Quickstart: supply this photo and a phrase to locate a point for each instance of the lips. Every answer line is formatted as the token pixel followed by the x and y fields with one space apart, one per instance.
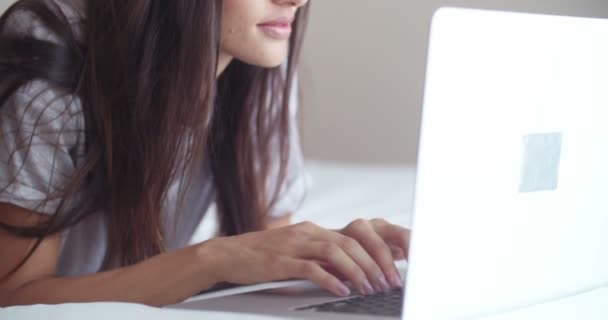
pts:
pixel 279 28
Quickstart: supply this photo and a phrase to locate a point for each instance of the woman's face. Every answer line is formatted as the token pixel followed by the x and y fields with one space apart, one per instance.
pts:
pixel 257 31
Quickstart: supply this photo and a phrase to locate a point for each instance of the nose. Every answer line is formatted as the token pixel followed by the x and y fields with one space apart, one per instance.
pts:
pixel 293 3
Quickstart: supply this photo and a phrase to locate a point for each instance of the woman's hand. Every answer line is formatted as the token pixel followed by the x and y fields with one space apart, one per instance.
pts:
pixel 362 252
pixel 384 243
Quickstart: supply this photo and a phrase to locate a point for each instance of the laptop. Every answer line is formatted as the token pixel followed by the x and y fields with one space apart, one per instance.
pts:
pixel 511 203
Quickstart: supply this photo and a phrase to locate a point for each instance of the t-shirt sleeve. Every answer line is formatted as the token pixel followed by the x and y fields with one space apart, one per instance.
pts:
pixel 41 133
pixel 297 180
pixel 41 129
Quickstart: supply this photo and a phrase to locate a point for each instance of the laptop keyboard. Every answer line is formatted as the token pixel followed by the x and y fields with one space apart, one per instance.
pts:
pixel 387 303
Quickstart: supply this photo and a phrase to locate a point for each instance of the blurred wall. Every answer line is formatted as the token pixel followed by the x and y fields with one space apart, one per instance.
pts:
pixel 4 4
pixel 363 72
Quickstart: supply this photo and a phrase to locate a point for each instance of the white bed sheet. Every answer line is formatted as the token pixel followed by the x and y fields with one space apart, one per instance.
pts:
pixel 342 192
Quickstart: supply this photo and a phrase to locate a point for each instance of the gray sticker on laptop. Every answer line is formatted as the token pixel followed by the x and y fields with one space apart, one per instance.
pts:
pixel 541 159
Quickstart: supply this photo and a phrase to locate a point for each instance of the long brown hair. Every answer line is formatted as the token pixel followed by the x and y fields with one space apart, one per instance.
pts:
pixel 146 113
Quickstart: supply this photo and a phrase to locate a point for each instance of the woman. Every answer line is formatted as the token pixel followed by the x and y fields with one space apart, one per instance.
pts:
pixel 122 121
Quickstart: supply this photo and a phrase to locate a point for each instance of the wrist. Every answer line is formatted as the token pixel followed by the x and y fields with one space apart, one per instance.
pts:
pixel 210 262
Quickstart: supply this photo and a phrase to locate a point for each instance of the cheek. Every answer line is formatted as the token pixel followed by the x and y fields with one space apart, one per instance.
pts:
pixel 235 16
pixel 240 14
pixel 232 5
pixel 236 23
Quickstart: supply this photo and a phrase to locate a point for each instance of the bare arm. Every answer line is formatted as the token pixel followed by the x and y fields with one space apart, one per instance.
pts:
pixel 165 279
pixel 279 222
pixel 359 253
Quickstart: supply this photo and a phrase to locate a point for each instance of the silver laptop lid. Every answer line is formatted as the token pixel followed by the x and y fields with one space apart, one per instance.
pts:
pixel 512 199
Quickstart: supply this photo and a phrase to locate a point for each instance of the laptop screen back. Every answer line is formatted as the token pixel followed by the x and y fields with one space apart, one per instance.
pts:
pixel 511 201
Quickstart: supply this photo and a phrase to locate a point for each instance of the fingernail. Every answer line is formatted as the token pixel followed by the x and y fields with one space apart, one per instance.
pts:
pixel 367 288
pixel 383 283
pixel 343 289
pixel 377 287
pixel 396 281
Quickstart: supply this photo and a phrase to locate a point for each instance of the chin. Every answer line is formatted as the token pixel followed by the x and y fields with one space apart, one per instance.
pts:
pixel 266 63
pixel 271 63
pixel 266 59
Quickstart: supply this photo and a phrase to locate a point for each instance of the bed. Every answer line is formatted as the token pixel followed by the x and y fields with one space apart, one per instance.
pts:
pixel 341 192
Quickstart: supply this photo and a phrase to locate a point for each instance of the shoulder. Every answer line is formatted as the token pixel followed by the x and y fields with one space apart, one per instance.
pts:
pixel 38 113
pixel 25 19
pixel 38 97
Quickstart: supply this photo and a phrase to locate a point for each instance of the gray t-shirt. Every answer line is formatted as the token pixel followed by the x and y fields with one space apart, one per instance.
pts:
pixel 52 125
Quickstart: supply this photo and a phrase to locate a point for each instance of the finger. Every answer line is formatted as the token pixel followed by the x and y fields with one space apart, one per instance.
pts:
pixel 393 234
pixel 358 253
pixel 371 241
pixel 397 253
pixel 333 254
pixel 306 269
pixel 373 273
pixel 329 268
